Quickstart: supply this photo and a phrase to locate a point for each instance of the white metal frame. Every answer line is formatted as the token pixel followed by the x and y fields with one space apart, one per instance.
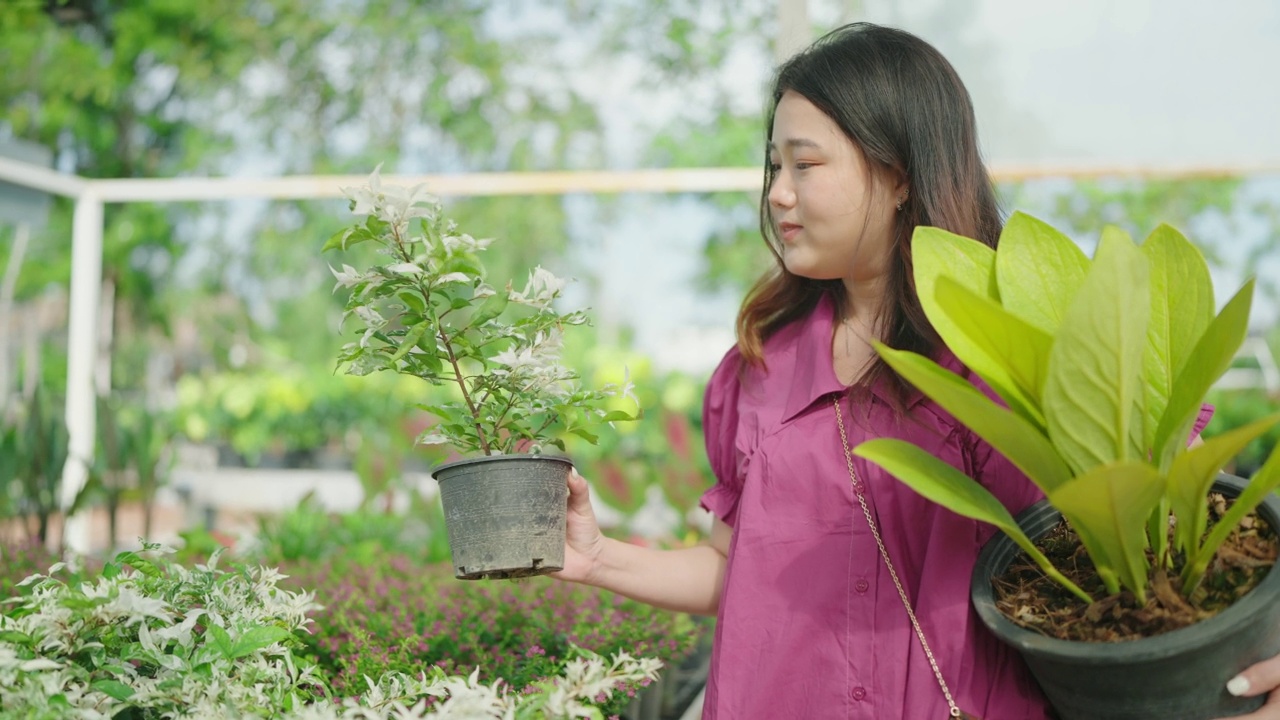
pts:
pixel 87 227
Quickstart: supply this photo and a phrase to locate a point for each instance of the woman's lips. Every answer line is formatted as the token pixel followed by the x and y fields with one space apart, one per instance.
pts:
pixel 789 231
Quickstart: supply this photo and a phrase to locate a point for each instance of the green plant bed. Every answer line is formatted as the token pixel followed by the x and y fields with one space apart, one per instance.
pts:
pixel 142 638
pixel 394 614
pixel 19 560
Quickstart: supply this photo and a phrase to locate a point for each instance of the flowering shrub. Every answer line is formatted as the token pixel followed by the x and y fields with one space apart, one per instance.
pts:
pixel 401 616
pixel 157 637
pixel 427 311
pixel 152 639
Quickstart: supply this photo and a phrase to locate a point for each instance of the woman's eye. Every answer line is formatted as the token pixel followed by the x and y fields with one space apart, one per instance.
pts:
pixel 804 165
pixel 774 167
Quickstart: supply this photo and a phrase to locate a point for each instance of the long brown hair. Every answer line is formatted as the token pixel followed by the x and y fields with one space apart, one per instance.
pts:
pixel 905 108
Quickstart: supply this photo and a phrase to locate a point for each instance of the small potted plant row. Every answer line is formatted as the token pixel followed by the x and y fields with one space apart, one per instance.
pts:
pixel 1100 366
pixel 425 308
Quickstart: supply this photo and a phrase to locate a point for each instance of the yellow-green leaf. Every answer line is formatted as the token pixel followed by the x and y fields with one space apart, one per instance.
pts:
pixel 1181 308
pixel 1108 507
pixel 937 253
pixel 1009 433
pixel 1260 485
pixel 1095 366
pixel 1192 475
pixel 1038 271
pixel 1021 348
pixel 939 482
pixel 1210 358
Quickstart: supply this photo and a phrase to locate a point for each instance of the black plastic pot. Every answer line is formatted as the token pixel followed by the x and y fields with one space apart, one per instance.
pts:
pixel 1180 675
pixel 505 514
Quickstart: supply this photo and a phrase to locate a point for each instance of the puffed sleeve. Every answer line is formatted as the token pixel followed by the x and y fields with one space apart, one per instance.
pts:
pixel 1202 419
pixel 720 428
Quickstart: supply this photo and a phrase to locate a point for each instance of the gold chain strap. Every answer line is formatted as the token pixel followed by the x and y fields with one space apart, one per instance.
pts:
pixel 952 709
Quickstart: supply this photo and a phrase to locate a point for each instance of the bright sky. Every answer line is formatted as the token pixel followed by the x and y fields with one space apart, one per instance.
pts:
pixel 1162 82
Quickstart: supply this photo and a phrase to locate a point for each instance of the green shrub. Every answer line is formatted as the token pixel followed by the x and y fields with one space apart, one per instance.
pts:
pixel 397 615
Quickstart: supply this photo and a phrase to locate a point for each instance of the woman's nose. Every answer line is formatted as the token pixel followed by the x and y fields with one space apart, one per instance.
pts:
pixel 780 193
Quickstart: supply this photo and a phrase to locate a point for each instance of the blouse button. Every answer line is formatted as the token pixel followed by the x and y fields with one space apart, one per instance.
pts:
pixel 862 585
pixel 859 693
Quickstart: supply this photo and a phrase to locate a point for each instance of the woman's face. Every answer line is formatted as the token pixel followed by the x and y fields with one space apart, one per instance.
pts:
pixel 833 215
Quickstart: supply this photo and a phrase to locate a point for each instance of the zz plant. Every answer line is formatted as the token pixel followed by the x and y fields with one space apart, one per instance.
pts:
pixel 1101 365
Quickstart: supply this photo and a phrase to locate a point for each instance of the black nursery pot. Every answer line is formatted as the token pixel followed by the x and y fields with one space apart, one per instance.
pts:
pixel 1180 675
pixel 505 514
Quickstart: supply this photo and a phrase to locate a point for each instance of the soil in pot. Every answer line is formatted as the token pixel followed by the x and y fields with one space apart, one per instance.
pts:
pixel 1036 603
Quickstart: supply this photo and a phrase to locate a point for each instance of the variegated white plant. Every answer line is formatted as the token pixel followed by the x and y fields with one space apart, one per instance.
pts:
pixel 426 310
pixel 152 639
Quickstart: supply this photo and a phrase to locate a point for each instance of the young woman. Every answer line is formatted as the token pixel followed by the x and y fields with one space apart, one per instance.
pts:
pixel 871 134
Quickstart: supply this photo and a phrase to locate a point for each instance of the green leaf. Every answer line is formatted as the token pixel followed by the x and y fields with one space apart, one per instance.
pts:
pixel 1038 271
pixel 114 688
pixel 939 482
pixel 139 563
pixel 346 238
pixel 1010 434
pixel 1192 475
pixel 1021 348
pixel 1095 366
pixel 492 307
pixel 1181 308
pixel 413 301
pixel 15 637
pixel 586 435
pixel 220 640
pixel 254 639
pixel 1260 485
pixel 936 254
pixel 1108 507
pixel 410 339
pixel 1210 358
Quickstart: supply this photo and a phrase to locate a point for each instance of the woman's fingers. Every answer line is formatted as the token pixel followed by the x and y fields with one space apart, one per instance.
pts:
pixel 1256 679
pixel 1259 678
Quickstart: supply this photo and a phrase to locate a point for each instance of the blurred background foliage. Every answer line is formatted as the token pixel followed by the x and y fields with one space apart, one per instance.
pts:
pixel 221 314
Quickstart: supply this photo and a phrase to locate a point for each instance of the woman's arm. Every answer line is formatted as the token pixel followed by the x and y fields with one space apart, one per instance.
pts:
pixel 686 580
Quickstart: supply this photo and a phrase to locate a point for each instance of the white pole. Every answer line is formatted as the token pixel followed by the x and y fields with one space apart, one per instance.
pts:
pixel 38 177
pixel 794 32
pixel 22 234
pixel 82 341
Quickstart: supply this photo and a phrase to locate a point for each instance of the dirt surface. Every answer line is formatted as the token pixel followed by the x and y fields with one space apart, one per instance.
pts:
pixel 1036 603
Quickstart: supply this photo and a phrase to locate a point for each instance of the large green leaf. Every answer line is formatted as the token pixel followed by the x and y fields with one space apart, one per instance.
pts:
pixel 1095 366
pixel 1210 358
pixel 935 480
pixel 1108 508
pixel 1181 308
pixel 1193 472
pixel 1038 271
pixel 936 254
pixel 1021 348
pixel 1010 434
pixel 1260 485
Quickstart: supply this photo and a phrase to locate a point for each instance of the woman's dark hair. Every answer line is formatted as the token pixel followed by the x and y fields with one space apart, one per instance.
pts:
pixel 905 108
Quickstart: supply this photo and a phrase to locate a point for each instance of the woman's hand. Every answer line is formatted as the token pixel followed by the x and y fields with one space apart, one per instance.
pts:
pixel 584 543
pixel 1263 677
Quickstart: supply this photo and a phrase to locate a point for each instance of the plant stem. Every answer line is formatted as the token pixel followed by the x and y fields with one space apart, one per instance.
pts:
pixel 425 290
pixel 462 385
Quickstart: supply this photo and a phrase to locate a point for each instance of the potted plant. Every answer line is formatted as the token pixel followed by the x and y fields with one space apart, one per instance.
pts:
pixel 1100 367
pixel 426 310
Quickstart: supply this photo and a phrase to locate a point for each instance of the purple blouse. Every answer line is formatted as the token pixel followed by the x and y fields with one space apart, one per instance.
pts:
pixel 810 624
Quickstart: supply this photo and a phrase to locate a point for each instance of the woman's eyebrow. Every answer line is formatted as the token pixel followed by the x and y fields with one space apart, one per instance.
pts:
pixel 795 143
